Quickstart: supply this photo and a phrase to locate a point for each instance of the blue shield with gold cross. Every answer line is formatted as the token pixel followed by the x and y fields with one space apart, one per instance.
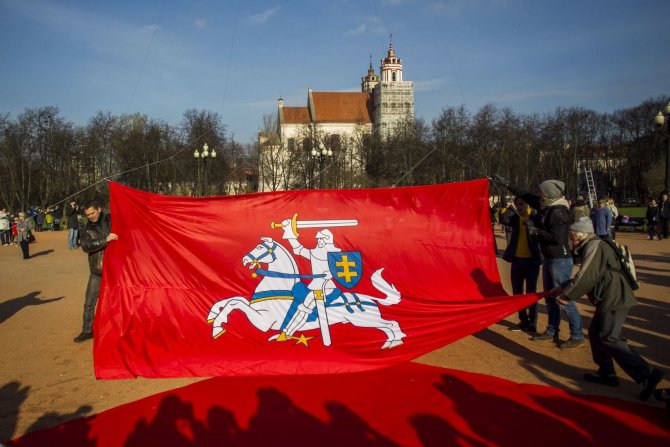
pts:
pixel 346 267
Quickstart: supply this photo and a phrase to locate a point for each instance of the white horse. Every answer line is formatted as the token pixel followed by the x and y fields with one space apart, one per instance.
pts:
pixel 272 298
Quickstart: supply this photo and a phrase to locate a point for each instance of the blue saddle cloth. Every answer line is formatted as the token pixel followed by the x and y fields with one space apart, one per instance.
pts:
pixel 334 299
pixel 300 292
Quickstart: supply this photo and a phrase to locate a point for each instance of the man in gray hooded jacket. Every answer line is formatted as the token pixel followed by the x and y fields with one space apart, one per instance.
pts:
pixel 552 234
pixel 600 278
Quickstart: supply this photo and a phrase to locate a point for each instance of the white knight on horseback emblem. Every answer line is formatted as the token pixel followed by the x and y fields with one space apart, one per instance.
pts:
pixel 283 302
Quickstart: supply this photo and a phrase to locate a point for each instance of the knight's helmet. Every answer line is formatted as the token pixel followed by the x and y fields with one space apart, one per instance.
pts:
pixel 326 235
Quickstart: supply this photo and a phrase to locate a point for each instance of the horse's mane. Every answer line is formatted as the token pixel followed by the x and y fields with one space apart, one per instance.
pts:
pixel 288 255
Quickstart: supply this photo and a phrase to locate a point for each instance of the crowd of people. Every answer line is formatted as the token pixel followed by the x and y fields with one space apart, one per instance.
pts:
pixel 605 216
pixel 17 227
pixel 546 234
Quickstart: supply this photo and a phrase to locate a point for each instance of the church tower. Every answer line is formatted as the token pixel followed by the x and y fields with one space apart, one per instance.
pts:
pixel 393 97
pixel 391 69
pixel 369 82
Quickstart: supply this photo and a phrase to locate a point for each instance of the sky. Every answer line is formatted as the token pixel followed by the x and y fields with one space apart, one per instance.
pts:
pixel 161 58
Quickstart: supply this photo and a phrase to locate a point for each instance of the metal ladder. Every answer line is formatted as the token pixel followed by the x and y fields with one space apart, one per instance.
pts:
pixel 590 187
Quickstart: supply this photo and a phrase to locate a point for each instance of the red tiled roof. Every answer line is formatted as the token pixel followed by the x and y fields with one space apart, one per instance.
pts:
pixel 296 115
pixel 342 107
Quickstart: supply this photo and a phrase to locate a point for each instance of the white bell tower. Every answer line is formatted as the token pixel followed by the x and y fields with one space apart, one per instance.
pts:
pixel 391 69
pixel 393 96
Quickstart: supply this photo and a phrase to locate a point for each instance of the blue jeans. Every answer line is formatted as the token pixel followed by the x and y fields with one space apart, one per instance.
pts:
pixel 554 273
pixel 72 238
pixel 526 271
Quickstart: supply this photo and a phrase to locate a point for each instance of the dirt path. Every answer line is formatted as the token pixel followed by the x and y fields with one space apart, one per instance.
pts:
pixel 47 379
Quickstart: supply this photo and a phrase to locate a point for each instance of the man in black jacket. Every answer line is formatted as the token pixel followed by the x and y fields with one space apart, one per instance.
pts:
pixel 94 239
pixel 554 216
pixel 664 215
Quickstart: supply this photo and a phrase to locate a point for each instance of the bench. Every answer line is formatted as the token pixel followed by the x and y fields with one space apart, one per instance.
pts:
pixel 631 224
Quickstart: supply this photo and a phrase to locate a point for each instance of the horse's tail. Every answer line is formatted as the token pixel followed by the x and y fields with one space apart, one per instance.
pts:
pixel 388 289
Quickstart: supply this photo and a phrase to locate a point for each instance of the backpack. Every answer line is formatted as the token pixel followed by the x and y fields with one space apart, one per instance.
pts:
pixel 625 261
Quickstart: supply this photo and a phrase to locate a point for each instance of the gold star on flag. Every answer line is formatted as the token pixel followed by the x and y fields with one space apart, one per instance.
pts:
pixel 303 340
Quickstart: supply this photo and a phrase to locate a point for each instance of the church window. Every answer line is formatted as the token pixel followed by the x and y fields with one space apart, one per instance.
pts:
pixel 393 76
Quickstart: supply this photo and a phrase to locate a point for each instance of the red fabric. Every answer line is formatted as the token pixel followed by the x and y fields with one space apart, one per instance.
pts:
pixel 176 257
pixel 406 405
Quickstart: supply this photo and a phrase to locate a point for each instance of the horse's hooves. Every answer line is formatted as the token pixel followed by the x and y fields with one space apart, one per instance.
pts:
pixel 211 317
pixel 217 332
pixel 393 344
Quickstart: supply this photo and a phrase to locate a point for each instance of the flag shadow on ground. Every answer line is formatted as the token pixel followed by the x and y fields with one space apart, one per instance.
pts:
pixel 406 405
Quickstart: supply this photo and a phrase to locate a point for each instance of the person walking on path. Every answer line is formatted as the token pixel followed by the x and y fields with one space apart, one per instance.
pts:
pixel 554 218
pixel 523 252
pixel 5 228
pixel 652 220
pixel 615 217
pixel 72 214
pixel 602 220
pixel 96 236
pixel 23 228
pixel 664 215
pixel 579 210
pixel 39 220
pixel 601 278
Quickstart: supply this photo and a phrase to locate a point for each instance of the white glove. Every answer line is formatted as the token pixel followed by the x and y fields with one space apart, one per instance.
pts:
pixel 288 230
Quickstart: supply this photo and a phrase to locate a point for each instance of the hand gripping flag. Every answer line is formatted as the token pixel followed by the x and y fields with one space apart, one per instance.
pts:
pixel 294 282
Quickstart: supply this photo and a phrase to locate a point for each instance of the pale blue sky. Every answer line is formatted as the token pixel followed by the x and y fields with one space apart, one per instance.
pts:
pixel 235 57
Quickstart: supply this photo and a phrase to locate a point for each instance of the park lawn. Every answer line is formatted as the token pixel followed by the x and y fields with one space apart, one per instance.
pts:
pixel 637 211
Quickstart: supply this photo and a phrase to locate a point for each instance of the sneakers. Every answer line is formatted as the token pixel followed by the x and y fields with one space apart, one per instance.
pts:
pixel 571 343
pixel 609 380
pixel 522 328
pixel 83 337
pixel 649 384
pixel 543 337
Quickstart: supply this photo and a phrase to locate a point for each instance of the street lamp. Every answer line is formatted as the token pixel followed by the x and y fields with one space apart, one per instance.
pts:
pixel 323 153
pixel 204 156
pixel 661 119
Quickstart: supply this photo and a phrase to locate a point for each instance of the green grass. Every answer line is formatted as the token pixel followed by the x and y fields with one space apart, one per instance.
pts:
pixel 638 211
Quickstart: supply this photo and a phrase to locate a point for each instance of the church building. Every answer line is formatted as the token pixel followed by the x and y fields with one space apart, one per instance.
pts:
pixel 383 103
pixel 336 122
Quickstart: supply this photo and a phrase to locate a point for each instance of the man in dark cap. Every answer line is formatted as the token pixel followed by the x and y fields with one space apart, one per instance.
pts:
pixel 552 233
pixel 601 278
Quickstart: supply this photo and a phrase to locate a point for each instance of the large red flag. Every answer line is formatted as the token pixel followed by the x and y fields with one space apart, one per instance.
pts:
pixel 294 282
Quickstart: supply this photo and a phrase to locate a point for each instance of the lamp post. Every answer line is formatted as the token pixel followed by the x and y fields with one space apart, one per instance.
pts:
pixel 663 117
pixel 323 153
pixel 204 156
